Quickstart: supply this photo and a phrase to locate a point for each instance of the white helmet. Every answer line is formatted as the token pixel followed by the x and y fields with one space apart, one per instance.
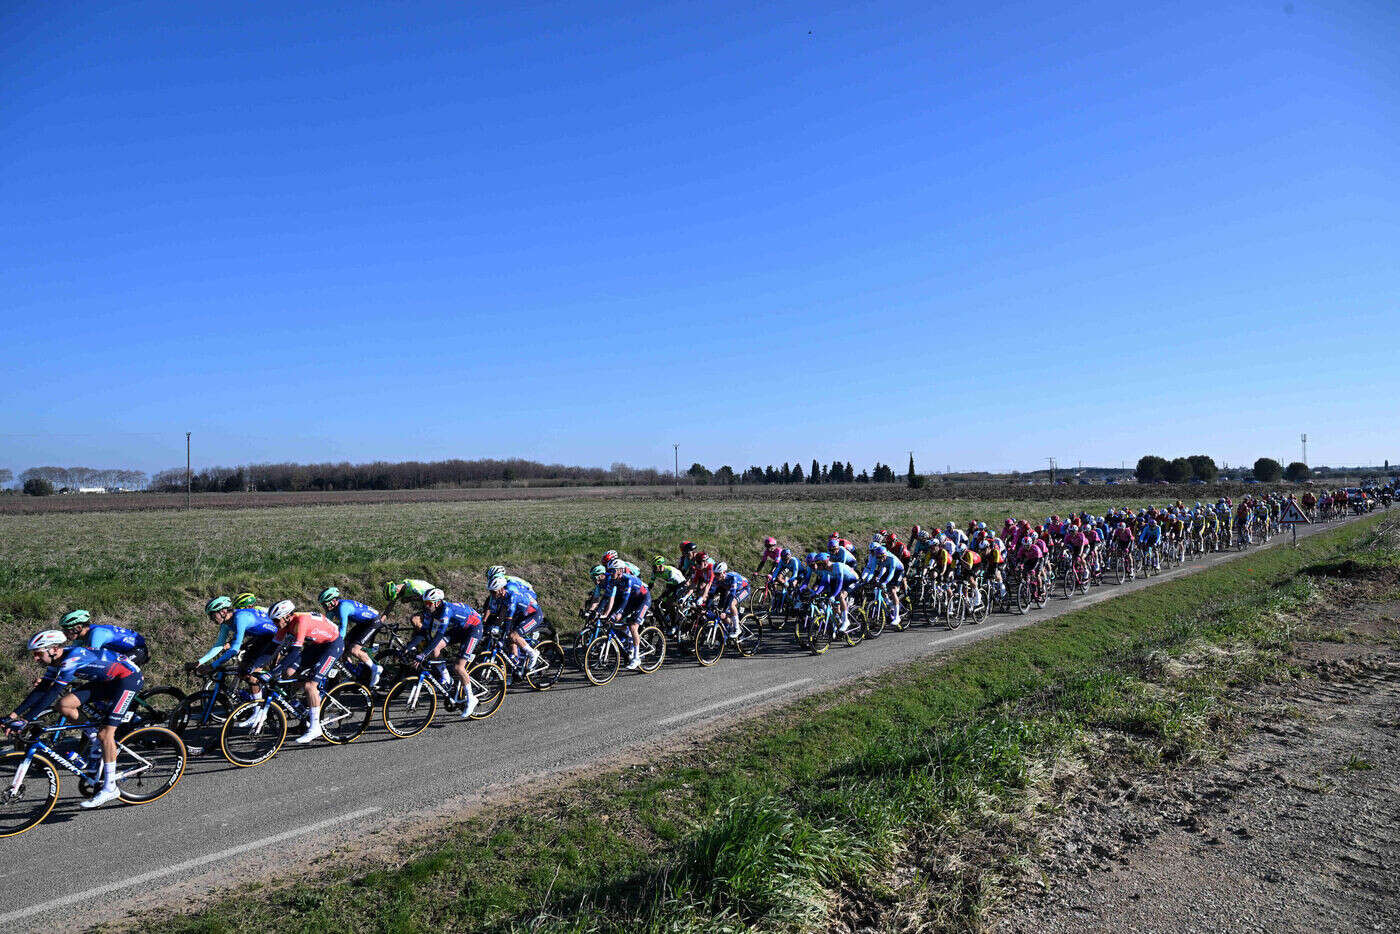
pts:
pixel 434 596
pixel 616 564
pixel 497 583
pixel 493 572
pixel 721 568
pixel 46 639
pixel 282 609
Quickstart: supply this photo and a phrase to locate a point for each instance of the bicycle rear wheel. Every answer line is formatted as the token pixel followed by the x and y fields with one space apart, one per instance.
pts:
pixel 602 659
pixel 409 707
pixel 199 719
pixel 488 682
pixel 150 762
pixel 821 636
pixel 247 745
pixel 345 712
pixel 25 803
pixel 709 643
pixel 652 648
pixel 546 676
pixel 156 705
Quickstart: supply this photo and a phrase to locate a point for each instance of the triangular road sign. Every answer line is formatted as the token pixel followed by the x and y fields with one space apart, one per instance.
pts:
pixel 1292 514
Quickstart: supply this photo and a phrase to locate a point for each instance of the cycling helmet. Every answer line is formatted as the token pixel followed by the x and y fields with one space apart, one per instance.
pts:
pixel 217 604
pixel 877 549
pixel 392 590
pixel 784 554
pixel 925 535
pixel 245 600
pixel 701 557
pixel 609 556
pixel 916 531
pixel 981 526
pixel 687 546
pixel 327 595
pixel 598 570
pixel 434 596
pixel 823 557
pixel 75 619
pixel 616 564
pixel 46 639
pixel 497 583
pixel 494 570
pixel 721 568
pixel 962 549
pixel 770 541
pixel 281 609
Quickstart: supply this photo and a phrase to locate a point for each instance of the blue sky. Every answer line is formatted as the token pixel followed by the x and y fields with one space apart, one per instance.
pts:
pixel 579 232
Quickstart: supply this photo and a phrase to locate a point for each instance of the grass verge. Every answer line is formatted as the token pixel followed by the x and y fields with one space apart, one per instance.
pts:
pixel 904 800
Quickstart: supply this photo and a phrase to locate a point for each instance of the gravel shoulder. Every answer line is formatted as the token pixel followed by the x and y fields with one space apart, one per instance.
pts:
pixel 1295 828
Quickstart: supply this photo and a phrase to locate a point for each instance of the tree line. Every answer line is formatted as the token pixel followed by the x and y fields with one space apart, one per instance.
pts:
pixel 44 480
pixel 1151 469
pixel 835 472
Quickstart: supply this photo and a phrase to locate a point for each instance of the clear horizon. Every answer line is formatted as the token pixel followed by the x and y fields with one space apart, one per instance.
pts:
pixel 577 235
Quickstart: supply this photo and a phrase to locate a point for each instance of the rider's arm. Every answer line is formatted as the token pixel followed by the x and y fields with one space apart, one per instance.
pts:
pixel 220 641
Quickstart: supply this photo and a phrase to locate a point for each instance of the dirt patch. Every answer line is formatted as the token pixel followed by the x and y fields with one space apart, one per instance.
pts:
pixel 1296 828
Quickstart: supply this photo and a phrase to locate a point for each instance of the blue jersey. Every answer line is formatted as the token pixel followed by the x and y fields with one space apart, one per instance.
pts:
pixel 841 555
pixel 451 616
pixel 628 591
pixel 730 584
pixel 789 566
pixel 1151 535
pixel 117 638
pixel 889 568
pixel 77 663
pixel 352 611
pixel 517 602
pixel 247 622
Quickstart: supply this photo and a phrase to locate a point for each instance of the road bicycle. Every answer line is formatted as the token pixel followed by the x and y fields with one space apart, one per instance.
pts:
pixel 608 643
pixel 150 762
pixel 540 675
pixel 411 703
pixel 712 636
pixel 247 740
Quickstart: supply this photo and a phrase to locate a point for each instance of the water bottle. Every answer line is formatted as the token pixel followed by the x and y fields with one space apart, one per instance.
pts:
pixel 78 760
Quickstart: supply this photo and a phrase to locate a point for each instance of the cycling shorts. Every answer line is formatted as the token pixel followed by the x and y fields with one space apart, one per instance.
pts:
pixel 258 652
pixel 111 699
pixel 318 660
pixel 466 638
pixel 636 608
pixel 528 623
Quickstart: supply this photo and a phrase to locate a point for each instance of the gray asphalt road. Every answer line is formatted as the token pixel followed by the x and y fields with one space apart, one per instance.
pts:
pixel 223 825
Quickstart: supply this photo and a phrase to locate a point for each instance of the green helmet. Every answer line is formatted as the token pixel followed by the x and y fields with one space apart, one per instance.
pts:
pixel 327 595
pixel 598 570
pixel 217 604
pixel 75 619
pixel 392 590
pixel 658 561
pixel 245 600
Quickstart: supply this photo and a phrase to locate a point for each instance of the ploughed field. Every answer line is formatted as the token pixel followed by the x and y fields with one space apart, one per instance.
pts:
pixel 154 569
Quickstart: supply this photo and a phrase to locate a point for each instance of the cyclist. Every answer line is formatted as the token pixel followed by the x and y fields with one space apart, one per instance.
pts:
pixel 841 551
pixel 835 579
pixel 1149 538
pixel 769 552
pixel 310 644
pixel 1077 542
pixel 249 630
pixel 460 625
pixel 730 589
pixel 674 579
pixel 969 568
pixel 610 556
pixel 687 560
pixel 628 602
pixel 702 577
pixel 1123 544
pixel 599 591
pixel 516 605
pixel 112 681
pixel 366 621
pixel 887 573
pixel 78 629
pixel 410 588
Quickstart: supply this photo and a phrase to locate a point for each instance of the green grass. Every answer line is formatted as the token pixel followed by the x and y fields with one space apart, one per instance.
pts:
pixel 154 570
pixel 908 796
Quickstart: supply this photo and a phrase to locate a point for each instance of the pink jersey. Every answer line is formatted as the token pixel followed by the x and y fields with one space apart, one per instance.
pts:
pixel 773 553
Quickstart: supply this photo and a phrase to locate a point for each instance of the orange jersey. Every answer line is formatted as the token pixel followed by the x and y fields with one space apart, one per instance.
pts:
pixel 307 627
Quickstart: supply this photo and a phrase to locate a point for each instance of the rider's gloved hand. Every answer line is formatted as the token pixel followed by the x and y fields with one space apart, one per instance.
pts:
pixel 15 725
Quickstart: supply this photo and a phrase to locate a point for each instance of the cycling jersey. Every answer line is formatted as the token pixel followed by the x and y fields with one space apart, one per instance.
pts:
pixel 671 576
pixel 968 561
pixel 518 608
pixel 842 555
pixel 888 570
pixel 351 611
pixel 1151 535
pixel 102 667
pixel 629 592
pixel 412 589
pixel 247 623
pixel 118 639
pixel 789 566
pixel 732 585
pixel 770 554
pixel 455 622
pixel 300 628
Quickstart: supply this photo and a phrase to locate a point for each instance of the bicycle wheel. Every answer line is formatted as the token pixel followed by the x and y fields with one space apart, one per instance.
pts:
pixel 983 610
pixel 602 659
pixel 25 804
pixel 247 745
pixel 488 681
pixel 156 705
pixel 801 631
pixel 877 620
pixel 652 648
pixel 199 719
pixel 409 707
pixel 750 635
pixel 709 643
pixel 150 762
pixel 953 617
pixel 345 712
pixel 546 676
pixel 821 635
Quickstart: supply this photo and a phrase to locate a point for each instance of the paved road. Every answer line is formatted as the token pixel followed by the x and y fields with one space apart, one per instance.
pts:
pixel 224 825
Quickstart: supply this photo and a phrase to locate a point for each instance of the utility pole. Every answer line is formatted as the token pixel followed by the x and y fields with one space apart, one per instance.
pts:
pixel 1305 447
pixel 676 475
pixel 1052 470
pixel 187 470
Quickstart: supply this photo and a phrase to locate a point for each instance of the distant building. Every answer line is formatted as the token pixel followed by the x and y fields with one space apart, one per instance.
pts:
pixel 92 489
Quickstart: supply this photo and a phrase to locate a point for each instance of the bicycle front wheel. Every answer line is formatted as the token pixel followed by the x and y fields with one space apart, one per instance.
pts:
pixel 750 635
pixel 602 659
pixel 546 676
pixel 345 712
pixel 25 800
pixel 246 743
pixel 157 705
pixel 709 643
pixel 150 762
pixel 409 707
pixel 199 719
